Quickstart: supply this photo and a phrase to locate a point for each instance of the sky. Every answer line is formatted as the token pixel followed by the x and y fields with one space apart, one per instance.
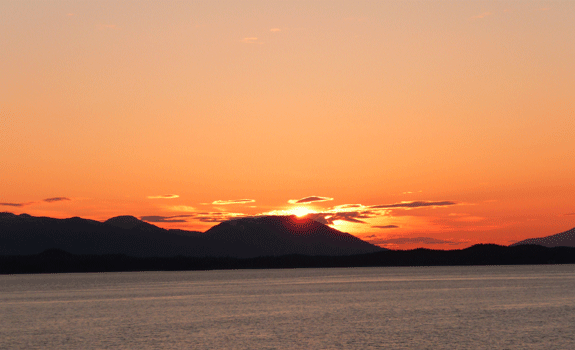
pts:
pixel 437 124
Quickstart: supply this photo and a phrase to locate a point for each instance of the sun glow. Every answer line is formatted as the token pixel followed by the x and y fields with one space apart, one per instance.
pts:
pixel 300 211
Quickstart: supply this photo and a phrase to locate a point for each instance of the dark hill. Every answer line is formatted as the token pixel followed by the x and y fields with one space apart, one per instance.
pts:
pixel 25 235
pixel 283 235
pixel 563 239
pixel 126 221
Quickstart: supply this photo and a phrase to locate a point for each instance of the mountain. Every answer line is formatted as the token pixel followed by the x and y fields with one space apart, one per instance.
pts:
pixel 283 235
pixel 25 234
pixel 563 239
pixel 248 237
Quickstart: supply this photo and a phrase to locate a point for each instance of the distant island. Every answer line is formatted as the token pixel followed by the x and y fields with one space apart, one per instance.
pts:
pixel 46 245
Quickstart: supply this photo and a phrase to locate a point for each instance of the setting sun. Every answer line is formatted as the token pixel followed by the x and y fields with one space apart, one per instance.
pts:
pixel 301 211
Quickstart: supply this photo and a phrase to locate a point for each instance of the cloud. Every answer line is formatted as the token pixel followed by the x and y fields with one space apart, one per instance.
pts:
pixel 481 15
pixel 191 213
pixel 355 213
pixel 347 207
pixel 56 199
pixel 218 216
pixel 181 208
pixel 233 201
pixel 15 204
pixel 411 192
pixel 175 218
pixel 153 218
pixel 415 240
pixel 164 196
pixel 570 214
pixel 350 216
pixel 47 200
pixel 251 40
pixel 275 30
pixel 310 199
pixel 410 205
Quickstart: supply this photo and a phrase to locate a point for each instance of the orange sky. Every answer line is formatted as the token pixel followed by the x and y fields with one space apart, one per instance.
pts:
pixel 444 123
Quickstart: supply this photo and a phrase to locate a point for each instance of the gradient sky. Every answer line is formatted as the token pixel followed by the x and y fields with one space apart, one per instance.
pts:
pixel 406 123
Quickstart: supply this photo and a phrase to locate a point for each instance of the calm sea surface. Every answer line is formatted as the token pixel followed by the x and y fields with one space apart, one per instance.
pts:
pixel 486 307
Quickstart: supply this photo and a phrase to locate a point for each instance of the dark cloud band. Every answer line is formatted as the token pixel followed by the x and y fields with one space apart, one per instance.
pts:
pixel 155 218
pixel 199 216
pixel 408 205
pixel 47 200
pixel 56 199
pixel 310 199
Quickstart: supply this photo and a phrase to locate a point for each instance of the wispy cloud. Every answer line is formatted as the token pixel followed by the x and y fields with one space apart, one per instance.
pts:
pixel 356 213
pixel 570 214
pixel 47 200
pixel 233 201
pixel 250 40
pixel 164 196
pixel 481 15
pixel 156 218
pixel 310 199
pixel 385 226
pixel 352 213
pixel 411 192
pixel 16 204
pixel 180 208
pixel 56 199
pixel 349 216
pixel 347 207
pixel 275 30
pixel 218 216
pixel 193 214
pixel 410 205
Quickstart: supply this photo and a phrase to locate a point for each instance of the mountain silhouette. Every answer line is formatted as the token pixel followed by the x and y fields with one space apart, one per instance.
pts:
pixel 283 235
pixel 563 239
pixel 240 238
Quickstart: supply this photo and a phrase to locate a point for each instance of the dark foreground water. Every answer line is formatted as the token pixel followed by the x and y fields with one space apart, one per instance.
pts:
pixel 486 307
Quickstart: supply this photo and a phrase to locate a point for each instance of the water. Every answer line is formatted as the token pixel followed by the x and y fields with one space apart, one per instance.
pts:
pixel 497 307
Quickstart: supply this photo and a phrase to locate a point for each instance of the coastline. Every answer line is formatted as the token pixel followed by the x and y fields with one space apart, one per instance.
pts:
pixel 59 261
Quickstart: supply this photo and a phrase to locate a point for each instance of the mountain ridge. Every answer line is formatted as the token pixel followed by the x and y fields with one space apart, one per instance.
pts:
pixel 563 239
pixel 242 238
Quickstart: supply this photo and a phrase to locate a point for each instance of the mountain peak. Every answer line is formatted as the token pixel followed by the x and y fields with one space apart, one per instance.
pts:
pixel 283 235
pixel 124 221
pixel 565 239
